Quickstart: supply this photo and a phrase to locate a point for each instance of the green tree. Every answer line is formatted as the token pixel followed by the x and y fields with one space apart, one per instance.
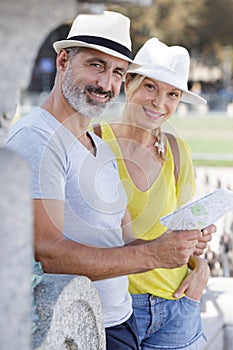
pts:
pixel 202 26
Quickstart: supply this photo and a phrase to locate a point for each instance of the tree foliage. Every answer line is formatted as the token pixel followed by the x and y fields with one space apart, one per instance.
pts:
pixel 204 27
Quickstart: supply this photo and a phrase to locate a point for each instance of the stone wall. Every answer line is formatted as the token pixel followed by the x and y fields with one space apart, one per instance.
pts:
pixel 217 314
pixel 15 253
pixel 24 25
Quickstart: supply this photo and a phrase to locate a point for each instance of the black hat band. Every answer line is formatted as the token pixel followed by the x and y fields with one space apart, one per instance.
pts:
pixel 110 44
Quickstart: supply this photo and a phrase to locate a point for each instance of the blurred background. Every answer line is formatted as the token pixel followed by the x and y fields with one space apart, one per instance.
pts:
pixel 205 27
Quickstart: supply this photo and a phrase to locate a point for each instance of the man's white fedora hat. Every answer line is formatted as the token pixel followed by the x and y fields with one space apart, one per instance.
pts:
pixel 168 64
pixel 108 32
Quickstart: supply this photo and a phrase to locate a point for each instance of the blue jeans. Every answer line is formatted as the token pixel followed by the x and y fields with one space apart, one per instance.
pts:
pixel 168 324
pixel 123 336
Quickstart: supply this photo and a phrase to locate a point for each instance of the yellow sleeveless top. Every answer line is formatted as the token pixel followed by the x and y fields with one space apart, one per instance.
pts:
pixel 146 208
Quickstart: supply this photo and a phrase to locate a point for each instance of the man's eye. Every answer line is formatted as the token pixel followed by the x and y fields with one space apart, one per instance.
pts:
pixel 119 73
pixel 97 66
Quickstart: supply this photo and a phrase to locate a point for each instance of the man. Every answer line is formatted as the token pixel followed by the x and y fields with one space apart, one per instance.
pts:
pixel 79 201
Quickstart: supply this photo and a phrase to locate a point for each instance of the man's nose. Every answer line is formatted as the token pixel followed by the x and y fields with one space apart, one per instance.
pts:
pixel 105 80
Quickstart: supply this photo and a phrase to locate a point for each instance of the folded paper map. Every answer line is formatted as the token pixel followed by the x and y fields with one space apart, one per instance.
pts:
pixel 202 212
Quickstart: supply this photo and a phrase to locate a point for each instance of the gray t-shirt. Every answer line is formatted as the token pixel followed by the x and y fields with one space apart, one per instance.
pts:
pixel 95 201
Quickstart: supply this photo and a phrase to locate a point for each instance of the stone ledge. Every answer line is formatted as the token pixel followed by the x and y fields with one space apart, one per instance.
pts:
pixel 70 314
pixel 217 313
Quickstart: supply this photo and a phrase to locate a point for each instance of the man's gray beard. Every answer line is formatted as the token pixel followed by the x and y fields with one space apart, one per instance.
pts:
pixel 76 98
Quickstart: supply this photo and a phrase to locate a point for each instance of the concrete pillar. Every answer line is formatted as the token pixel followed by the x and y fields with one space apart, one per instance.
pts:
pixel 15 253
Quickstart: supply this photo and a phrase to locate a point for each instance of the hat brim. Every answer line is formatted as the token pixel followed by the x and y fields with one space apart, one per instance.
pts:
pixel 63 44
pixel 190 97
pixel 166 76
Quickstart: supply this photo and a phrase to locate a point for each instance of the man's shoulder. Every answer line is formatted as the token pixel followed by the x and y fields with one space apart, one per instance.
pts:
pixel 37 119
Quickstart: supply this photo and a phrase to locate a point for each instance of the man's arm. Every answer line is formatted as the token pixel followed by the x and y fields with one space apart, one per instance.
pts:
pixel 59 255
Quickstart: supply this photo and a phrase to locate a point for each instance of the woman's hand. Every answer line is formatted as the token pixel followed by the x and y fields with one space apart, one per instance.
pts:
pixel 195 282
pixel 204 239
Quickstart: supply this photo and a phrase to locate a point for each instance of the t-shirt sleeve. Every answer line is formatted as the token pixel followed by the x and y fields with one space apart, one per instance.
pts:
pixel 45 156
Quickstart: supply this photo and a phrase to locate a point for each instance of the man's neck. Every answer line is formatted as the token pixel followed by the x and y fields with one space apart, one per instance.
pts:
pixel 66 115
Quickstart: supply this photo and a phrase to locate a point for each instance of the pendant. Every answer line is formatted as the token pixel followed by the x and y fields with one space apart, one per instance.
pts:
pixel 160 146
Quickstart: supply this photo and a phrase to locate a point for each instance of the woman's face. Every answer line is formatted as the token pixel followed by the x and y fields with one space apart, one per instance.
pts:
pixel 157 101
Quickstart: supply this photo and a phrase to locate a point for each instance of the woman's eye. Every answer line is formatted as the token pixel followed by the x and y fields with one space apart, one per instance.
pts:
pixel 175 94
pixel 150 87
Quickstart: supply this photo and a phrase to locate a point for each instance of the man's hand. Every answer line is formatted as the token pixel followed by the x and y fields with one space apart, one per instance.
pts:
pixel 195 282
pixel 173 248
pixel 204 239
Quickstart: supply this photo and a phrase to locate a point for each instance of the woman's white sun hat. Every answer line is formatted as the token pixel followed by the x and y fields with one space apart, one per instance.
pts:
pixel 168 64
pixel 108 32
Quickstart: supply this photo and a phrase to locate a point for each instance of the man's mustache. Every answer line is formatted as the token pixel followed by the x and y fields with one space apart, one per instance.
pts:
pixel 99 90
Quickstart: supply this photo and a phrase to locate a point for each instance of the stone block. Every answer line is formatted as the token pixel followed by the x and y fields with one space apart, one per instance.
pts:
pixel 15 252
pixel 70 314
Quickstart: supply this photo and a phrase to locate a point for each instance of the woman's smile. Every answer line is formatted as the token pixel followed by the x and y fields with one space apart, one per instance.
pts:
pixel 153 114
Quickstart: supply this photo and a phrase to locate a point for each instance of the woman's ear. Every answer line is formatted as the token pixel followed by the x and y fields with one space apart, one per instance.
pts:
pixel 62 59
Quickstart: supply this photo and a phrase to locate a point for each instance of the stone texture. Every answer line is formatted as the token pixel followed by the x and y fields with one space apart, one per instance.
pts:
pixel 217 313
pixel 15 252
pixel 24 25
pixel 70 314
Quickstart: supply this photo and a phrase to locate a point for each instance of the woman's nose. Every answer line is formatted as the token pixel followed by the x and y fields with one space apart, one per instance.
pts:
pixel 157 101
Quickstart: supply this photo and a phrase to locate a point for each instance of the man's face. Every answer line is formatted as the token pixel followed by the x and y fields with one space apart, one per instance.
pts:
pixel 92 80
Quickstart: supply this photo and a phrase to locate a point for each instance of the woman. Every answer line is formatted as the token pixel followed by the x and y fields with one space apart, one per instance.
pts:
pixel 157 172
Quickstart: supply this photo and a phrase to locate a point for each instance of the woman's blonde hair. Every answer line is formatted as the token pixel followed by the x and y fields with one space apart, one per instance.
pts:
pixel 133 83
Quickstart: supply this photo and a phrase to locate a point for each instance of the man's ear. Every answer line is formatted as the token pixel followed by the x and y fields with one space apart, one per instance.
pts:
pixel 127 80
pixel 62 59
